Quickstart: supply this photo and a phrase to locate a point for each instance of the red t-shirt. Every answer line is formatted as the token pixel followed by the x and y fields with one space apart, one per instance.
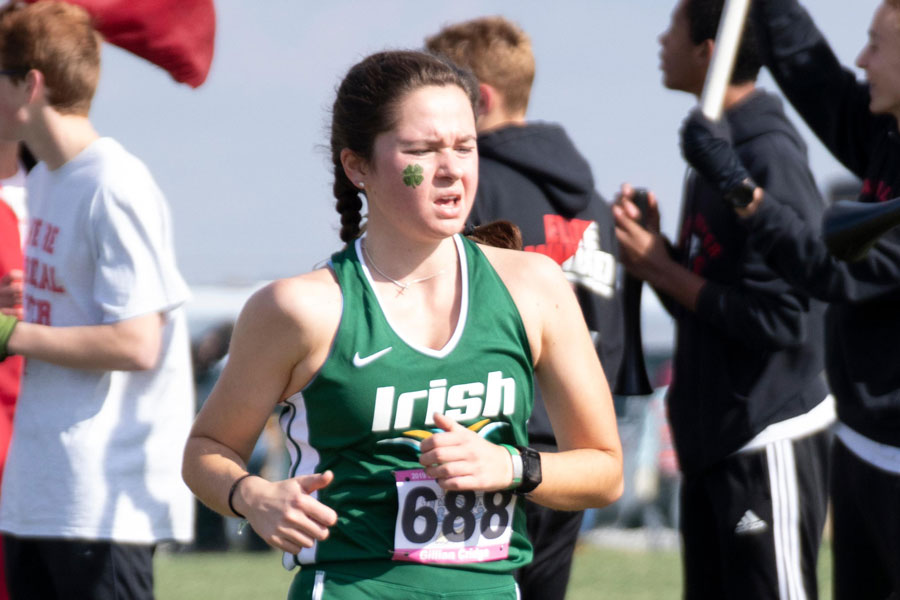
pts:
pixel 11 368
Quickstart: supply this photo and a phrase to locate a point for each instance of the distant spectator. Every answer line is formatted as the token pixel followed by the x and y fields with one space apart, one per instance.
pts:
pixel 12 223
pixel 858 122
pixel 92 478
pixel 748 405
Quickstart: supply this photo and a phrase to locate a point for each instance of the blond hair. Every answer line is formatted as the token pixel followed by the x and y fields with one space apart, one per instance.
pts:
pixel 497 51
pixel 59 40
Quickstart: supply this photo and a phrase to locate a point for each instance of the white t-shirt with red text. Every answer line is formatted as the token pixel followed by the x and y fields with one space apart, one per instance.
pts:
pixel 97 454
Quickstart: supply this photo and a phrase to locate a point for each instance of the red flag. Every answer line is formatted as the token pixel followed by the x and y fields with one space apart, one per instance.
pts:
pixel 177 35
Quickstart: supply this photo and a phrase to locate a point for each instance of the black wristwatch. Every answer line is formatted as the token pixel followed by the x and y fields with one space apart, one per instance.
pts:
pixel 742 195
pixel 531 470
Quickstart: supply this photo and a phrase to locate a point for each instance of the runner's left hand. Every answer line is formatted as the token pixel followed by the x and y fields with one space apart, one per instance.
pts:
pixel 459 459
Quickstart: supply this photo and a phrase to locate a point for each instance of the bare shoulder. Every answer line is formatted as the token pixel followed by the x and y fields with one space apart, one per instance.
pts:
pixel 537 286
pixel 526 272
pixel 308 303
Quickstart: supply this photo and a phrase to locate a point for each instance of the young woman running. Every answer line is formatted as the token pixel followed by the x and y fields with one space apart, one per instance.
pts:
pixel 404 368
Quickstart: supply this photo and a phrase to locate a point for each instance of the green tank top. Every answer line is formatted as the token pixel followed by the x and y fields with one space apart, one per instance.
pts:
pixel 365 413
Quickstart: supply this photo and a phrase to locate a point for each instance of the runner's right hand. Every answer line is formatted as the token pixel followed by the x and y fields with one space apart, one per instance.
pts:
pixel 284 513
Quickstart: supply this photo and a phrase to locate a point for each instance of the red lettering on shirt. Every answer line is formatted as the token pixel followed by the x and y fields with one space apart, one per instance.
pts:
pixel 880 191
pixel 37 311
pixel 31 265
pixel 50 238
pixel 42 276
pixel 699 265
pixel 48 280
pixel 34 231
pixel 700 243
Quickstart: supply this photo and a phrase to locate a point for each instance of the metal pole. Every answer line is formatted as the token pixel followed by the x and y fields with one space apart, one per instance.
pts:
pixel 731 26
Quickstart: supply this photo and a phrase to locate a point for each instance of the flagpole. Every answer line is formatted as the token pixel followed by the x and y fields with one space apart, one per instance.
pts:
pixel 728 38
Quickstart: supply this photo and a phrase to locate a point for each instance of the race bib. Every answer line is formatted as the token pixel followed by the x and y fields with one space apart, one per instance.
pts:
pixel 439 526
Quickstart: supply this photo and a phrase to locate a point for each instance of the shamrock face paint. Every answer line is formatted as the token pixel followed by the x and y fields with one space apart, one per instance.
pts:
pixel 412 175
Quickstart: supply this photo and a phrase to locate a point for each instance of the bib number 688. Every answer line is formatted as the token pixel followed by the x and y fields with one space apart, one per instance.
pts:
pixel 437 526
pixel 457 518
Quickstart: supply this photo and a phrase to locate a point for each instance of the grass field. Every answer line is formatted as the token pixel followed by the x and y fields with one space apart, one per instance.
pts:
pixel 598 573
pixel 636 575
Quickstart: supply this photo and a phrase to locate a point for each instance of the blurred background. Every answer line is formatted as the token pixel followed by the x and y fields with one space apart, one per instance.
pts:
pixel 243 159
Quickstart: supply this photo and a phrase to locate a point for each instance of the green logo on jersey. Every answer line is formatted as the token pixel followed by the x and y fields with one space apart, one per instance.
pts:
pixel 461 402
pixel 414 437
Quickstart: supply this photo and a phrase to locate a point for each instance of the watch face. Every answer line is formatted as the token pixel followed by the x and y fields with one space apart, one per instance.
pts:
pixel 531 470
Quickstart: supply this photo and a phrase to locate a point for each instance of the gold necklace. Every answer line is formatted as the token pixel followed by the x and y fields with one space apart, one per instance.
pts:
pixel 403 286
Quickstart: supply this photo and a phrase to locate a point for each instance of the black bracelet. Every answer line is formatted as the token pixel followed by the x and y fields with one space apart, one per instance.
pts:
pixel 234 489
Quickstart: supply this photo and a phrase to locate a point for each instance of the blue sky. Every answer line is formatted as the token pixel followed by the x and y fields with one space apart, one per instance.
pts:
pixel 243 159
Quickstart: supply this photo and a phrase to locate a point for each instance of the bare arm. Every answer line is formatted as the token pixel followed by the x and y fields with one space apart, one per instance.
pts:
pixel 758 308
pixel 587 472
pixel 644 254
pixel 129 345
pixel 275 348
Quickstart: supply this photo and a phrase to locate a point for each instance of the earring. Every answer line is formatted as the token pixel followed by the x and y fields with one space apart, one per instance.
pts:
pixel 361 184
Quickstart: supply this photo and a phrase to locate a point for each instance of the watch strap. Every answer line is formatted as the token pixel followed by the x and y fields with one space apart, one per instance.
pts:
pixel 516 459
pixel 531 470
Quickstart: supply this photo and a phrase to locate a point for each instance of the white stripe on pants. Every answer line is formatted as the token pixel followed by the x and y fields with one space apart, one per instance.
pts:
pixel 785 519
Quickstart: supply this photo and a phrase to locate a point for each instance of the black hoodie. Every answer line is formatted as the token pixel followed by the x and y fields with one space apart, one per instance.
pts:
pixel 752 353
pixel 533 176
pixel 863 320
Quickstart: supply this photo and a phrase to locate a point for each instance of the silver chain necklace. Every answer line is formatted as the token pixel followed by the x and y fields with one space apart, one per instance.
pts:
pixel 403 286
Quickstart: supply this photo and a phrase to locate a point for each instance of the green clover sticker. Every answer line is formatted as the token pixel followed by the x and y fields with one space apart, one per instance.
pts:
pixel 412 175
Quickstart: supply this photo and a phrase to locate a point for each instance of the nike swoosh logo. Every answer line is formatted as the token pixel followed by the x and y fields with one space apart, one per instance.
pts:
pixel 359 361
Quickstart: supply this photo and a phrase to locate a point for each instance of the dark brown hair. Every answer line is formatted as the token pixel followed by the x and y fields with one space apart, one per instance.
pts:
pixel 366 106
pixel 500 234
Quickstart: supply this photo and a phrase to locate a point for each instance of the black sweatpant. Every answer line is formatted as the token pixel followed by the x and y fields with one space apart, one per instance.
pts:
pixel 751 525
pixel 51 568
pixel 866 545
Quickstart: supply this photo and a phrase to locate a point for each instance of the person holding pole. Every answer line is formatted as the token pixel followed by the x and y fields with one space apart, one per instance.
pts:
pixel 531 174
pixel 748 407
pixel 858 122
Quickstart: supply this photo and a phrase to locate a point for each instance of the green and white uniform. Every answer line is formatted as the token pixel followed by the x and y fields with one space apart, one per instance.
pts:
pixel 365 413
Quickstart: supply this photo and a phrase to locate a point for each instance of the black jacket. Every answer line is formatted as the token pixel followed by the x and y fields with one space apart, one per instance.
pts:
pixel 863 320
pixel 752 352
pixel 533 176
